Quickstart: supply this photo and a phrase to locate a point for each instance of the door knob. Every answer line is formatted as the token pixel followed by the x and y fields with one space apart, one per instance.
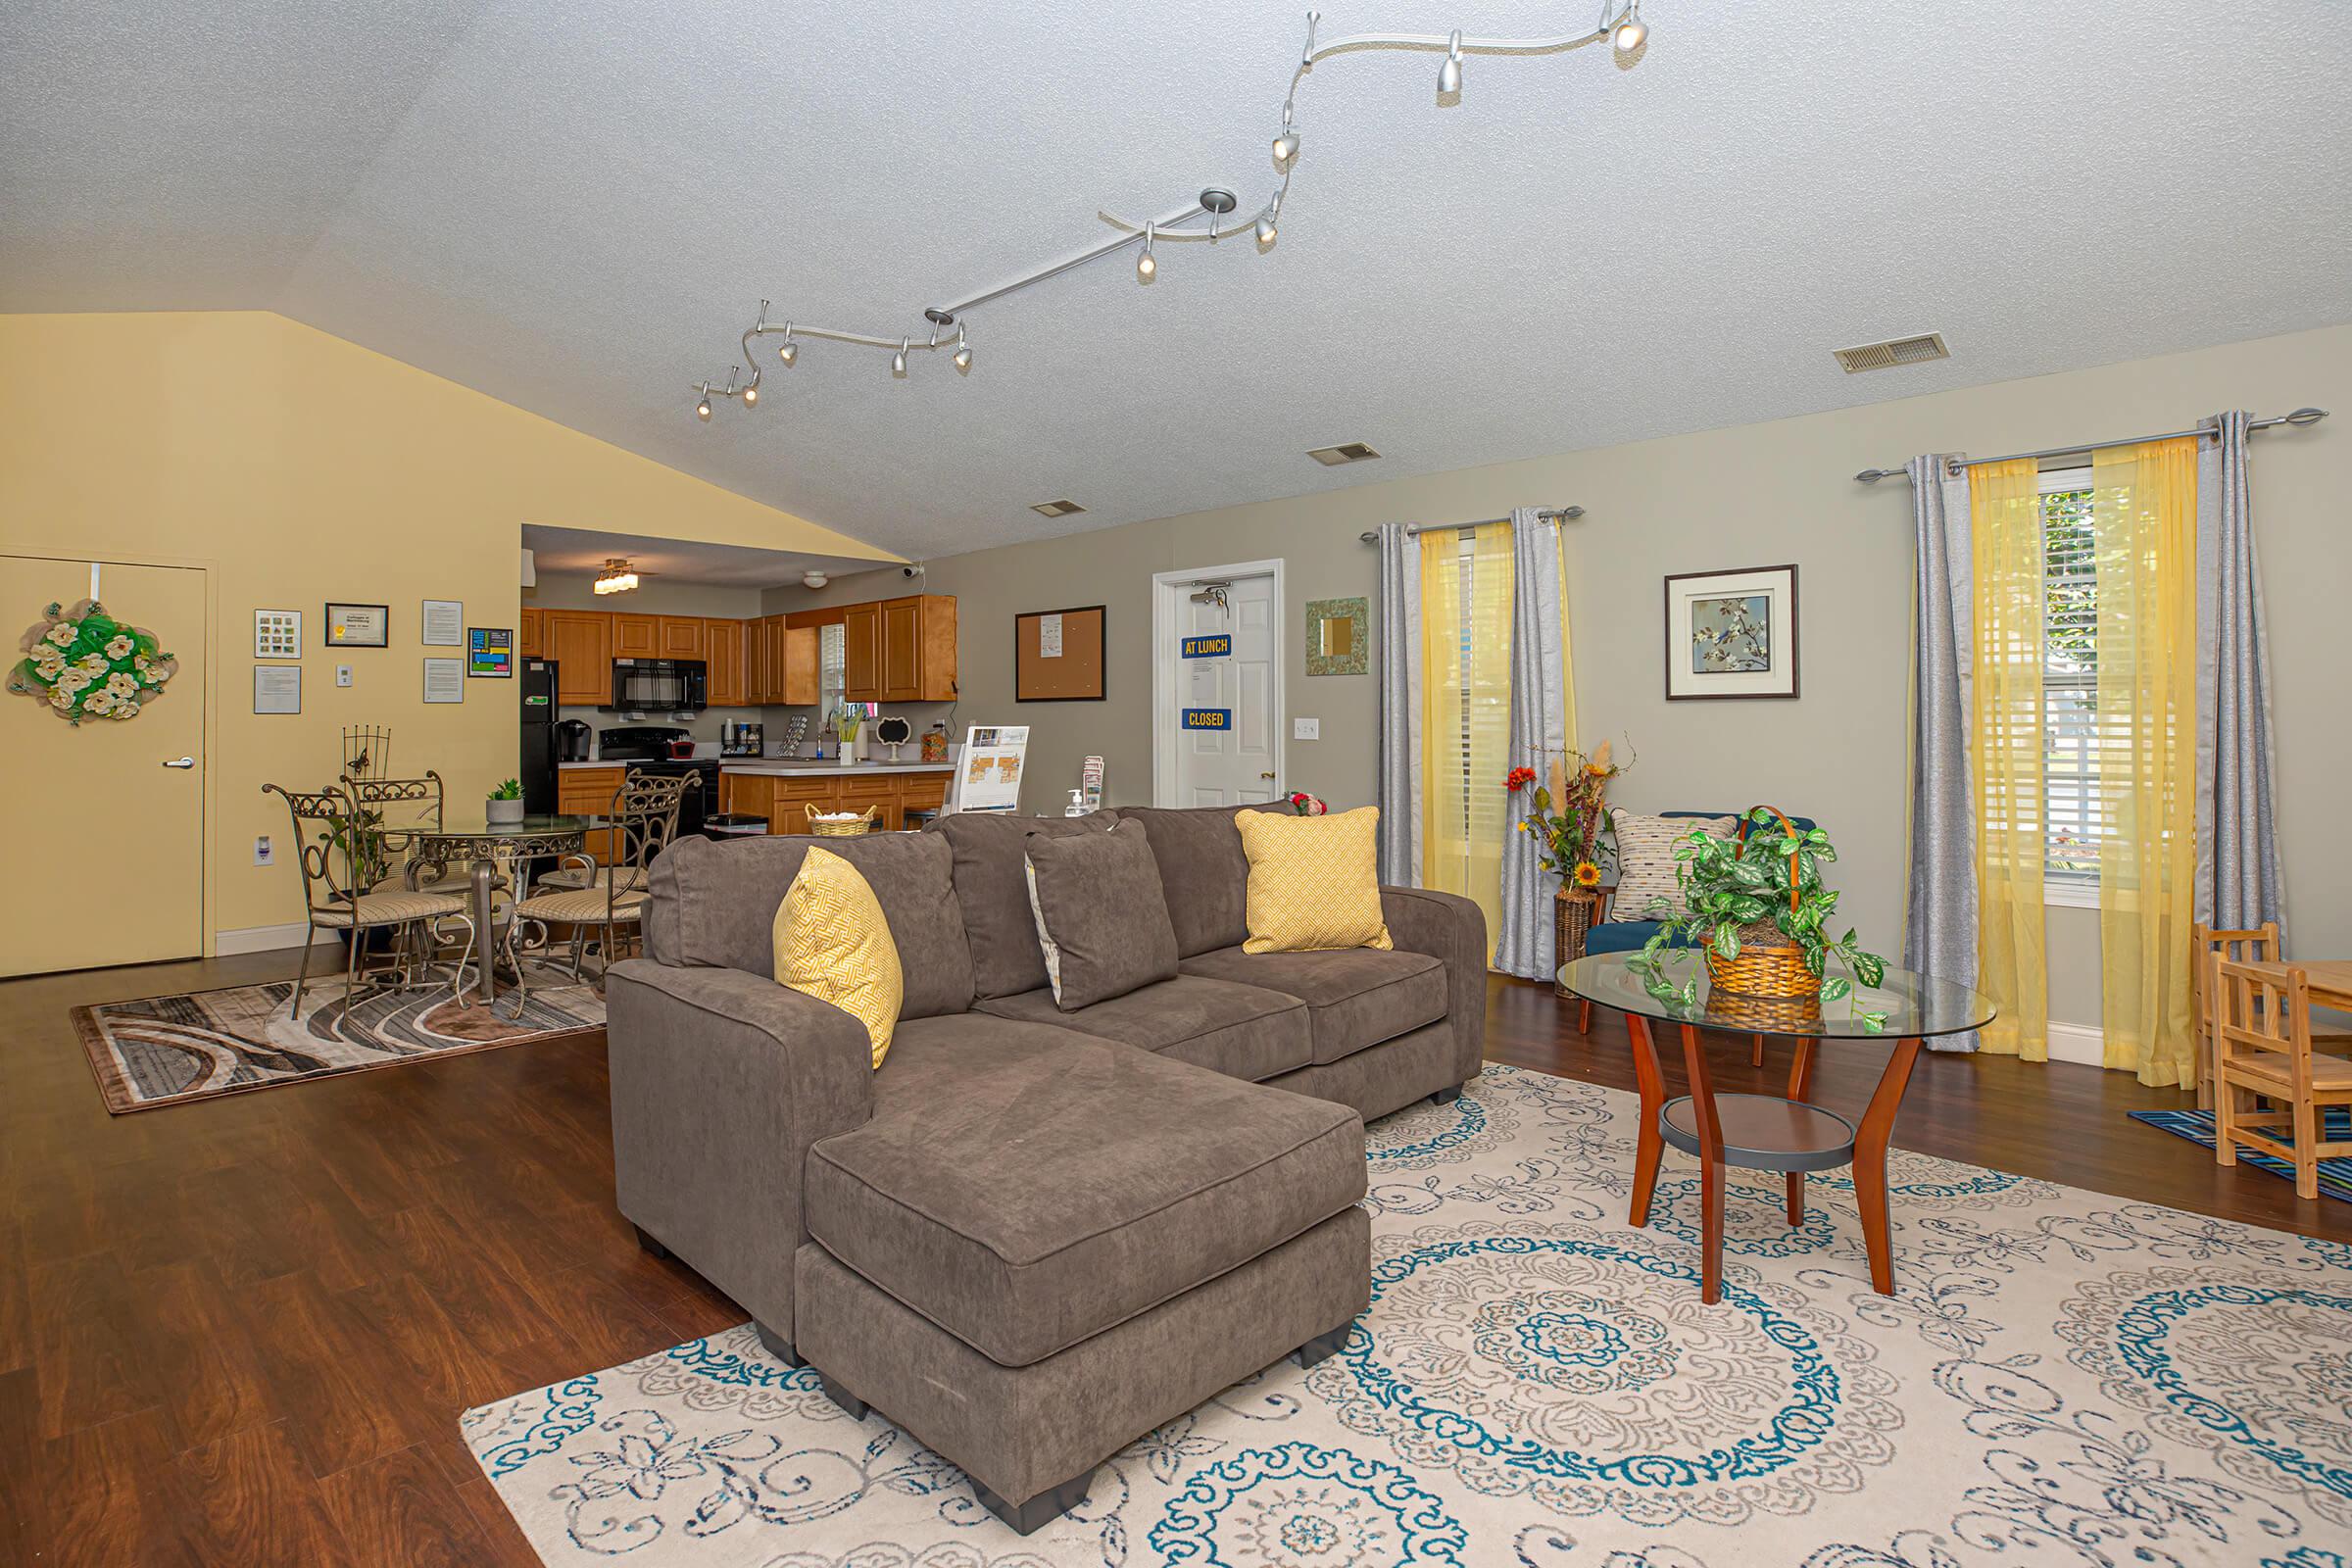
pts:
pixel 190 761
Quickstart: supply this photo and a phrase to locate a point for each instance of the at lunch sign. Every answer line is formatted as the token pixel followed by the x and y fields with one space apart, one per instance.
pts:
pixel 1216 646
pixel 1209 718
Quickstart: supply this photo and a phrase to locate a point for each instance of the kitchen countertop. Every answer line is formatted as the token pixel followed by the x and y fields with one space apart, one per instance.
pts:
pixel 802 767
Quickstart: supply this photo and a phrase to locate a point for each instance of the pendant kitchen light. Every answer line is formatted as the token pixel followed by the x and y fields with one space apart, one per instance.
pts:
pixel 1620 27
pixel 617 577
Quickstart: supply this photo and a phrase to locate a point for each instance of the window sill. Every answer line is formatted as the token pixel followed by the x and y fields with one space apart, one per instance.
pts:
pixel 2070 894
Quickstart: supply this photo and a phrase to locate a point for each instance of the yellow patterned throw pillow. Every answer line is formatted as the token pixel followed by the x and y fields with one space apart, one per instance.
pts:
pixel 833 944
pixel 1312 881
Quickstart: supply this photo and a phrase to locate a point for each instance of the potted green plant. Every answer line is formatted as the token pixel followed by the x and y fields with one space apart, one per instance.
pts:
pixel 846 722
pixel 1755 908
pixel 503 808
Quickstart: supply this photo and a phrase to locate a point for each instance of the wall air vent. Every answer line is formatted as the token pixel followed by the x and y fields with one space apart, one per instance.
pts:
pixel 1893 352
pixel 1348 452
pixel 1056 509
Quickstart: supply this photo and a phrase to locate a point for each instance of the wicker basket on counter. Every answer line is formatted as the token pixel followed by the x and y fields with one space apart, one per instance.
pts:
pixel 1770 964
pixel 855 828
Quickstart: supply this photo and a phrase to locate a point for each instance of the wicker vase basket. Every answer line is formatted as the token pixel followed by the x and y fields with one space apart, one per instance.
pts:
pixel 856 829
pixel 1770 964
pixel 1764 1015
pixel 1571 919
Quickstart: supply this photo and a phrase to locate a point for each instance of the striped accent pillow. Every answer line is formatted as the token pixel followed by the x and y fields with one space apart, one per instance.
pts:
pixel 1645 860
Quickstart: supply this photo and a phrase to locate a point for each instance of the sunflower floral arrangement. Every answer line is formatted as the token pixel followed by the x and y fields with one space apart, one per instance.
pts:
pixel 1565 815
pixel 86 665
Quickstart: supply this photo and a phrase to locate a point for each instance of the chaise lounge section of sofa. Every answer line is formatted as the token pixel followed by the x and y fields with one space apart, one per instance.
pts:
pixel 1030 1236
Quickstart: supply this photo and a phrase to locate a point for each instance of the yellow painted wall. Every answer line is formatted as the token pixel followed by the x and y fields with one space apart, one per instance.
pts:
pixel 299 467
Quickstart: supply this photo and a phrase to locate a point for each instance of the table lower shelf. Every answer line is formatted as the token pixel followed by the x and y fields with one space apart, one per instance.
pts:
pixel 1764 1132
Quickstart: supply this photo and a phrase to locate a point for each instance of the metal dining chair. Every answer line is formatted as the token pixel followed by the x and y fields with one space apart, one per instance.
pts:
pixel 399 805
pixel 641 822
pixel 345 869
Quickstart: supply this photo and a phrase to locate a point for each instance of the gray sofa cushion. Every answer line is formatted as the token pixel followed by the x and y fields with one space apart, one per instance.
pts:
pixel 993 893
pixel 1240 1031
pixel 1355 997
pixel 1066 1185
pixel 1203 872
pixel 715 903
pixel 1098 903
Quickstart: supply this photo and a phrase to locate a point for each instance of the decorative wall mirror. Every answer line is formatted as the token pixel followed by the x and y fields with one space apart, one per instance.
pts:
pixel 1336 636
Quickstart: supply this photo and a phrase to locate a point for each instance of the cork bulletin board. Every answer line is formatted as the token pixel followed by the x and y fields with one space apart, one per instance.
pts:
pixel 1057 655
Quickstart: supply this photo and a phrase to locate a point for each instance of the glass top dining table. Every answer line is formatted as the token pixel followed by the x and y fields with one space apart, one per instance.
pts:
pixel 485 845
pixel 1786 1133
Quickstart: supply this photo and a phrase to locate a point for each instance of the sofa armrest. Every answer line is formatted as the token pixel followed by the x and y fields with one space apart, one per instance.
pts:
pixel 721 1080
pixel 1452 930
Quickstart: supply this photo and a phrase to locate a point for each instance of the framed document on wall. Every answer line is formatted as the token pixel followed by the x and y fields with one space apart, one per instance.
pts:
pixel 1057 655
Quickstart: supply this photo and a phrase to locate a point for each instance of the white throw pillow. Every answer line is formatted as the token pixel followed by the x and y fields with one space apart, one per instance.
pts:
pixel 1646 860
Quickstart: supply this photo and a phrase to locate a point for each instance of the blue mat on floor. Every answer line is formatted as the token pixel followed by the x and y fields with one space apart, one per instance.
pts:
pixel 2335 1175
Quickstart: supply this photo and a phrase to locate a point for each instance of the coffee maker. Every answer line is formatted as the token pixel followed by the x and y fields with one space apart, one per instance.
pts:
pixel 739 738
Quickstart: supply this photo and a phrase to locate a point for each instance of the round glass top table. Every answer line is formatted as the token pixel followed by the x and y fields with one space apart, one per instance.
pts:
pixel 1786 1133
pixel 485 844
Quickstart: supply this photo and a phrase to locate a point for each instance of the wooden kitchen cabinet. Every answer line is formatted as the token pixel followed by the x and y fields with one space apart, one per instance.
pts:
pixel 861 653
pixel 636 637
pixel 579 641
pixel 683 637
pixel 785 801
pixel 796 665
pixel 528 642
pixel 723 644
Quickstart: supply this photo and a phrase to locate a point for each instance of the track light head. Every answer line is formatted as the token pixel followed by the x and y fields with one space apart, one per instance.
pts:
pixel 750 396
pixel 701 410
pixel 1450 74
pixel 789 353
pixel 963 356
pixel 1286 146
pixel 1146 267
pixel 898 361
pixel 1265 230
pixel 1631 31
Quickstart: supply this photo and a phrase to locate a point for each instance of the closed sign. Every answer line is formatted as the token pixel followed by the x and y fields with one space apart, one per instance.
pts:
pixel 1209 718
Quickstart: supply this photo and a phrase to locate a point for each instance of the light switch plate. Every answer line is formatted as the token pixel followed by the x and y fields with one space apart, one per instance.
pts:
pixel 342 674
pixel 1306 729
pixel 263 852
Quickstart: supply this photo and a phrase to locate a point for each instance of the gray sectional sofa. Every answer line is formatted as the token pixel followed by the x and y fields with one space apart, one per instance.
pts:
pixel 1031 1236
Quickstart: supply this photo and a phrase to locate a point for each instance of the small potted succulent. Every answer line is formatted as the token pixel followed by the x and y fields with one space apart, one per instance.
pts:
pixel 503 808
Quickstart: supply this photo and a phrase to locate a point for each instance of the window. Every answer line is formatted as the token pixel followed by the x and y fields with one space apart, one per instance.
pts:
pixel 2072 816
pixel 832 667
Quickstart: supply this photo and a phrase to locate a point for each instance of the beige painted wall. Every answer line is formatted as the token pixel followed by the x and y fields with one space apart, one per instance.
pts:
pixel 1753 495
pixel 298 468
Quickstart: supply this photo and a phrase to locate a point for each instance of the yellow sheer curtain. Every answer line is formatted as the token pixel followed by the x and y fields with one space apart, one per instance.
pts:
pixel 1466 712
pixel 2006 741
pixel 2144 510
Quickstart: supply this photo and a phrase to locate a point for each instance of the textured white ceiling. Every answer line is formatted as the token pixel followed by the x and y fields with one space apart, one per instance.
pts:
pixel 575 206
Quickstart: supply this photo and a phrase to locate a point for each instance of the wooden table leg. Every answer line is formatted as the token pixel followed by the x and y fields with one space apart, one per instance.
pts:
pixel 1801 1088
pixel 1710 1166
pixel 1870 1163
pixel 1648 1145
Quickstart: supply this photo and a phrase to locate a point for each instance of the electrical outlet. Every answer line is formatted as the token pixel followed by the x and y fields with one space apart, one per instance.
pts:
pixel 1306 729
pixel 342 674
pixel 263 852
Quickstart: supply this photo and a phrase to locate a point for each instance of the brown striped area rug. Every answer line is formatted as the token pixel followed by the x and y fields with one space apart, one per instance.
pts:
pixel 166 1050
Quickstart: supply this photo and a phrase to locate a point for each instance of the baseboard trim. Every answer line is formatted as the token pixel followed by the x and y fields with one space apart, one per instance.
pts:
pixel 266 938
pixel 2080 1042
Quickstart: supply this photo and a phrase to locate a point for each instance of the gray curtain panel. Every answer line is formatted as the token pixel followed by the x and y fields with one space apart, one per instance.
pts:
pixel 1940 923
pixel 2238 885
pixel 1539 738
pixel 1399 783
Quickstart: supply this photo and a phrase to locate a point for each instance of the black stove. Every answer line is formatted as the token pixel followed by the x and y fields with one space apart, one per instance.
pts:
pixel 646 749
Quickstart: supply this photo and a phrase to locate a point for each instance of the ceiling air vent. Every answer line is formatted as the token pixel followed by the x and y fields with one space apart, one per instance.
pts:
pixel 1056 509
pixel 1349 451
pixel 1895 351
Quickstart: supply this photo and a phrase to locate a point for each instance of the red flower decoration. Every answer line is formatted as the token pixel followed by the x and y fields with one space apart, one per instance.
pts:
pixel 1518 778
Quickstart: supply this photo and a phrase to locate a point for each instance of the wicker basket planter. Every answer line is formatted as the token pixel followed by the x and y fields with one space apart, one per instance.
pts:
pixel 857 829
pixel 1769 966
pixel 1571 919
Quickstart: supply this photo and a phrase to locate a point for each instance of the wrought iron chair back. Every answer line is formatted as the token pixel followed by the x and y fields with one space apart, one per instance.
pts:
pixel 338 850
pixel 644 818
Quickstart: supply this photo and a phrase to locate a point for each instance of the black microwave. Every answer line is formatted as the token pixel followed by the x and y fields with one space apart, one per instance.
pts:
pixel 658 686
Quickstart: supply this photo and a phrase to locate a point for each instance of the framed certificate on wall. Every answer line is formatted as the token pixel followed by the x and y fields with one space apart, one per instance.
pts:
pixel 358 625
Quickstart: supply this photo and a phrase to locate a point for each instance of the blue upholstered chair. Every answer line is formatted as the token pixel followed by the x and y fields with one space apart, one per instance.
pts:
pixel 1632 932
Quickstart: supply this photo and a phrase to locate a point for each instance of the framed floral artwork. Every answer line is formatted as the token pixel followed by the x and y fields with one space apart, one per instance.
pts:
pixel 1731 634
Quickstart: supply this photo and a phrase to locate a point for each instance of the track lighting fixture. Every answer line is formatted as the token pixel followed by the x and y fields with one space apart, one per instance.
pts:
pixel 1207 218
pixel 1631 31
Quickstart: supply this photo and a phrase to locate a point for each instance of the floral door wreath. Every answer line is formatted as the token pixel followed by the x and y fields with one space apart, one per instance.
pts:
pixel 86 665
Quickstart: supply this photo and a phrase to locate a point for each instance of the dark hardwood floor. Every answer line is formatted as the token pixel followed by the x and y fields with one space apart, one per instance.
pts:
pixel 241 1331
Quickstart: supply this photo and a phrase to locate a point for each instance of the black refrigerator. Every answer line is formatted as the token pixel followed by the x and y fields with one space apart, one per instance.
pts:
pixel 537 765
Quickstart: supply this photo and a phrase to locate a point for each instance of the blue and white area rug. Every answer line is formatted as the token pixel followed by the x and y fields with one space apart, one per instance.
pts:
pixel 2062 1379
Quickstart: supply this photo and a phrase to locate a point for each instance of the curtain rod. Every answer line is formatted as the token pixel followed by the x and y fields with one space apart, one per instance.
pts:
pixel 1543 515
pixel 2299 418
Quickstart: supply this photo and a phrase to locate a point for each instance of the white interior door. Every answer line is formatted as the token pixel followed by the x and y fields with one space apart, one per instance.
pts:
pixel 105 819
pixel 1241 764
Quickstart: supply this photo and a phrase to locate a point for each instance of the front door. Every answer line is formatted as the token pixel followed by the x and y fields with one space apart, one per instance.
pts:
pixel 105 826
pixel 1240 761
